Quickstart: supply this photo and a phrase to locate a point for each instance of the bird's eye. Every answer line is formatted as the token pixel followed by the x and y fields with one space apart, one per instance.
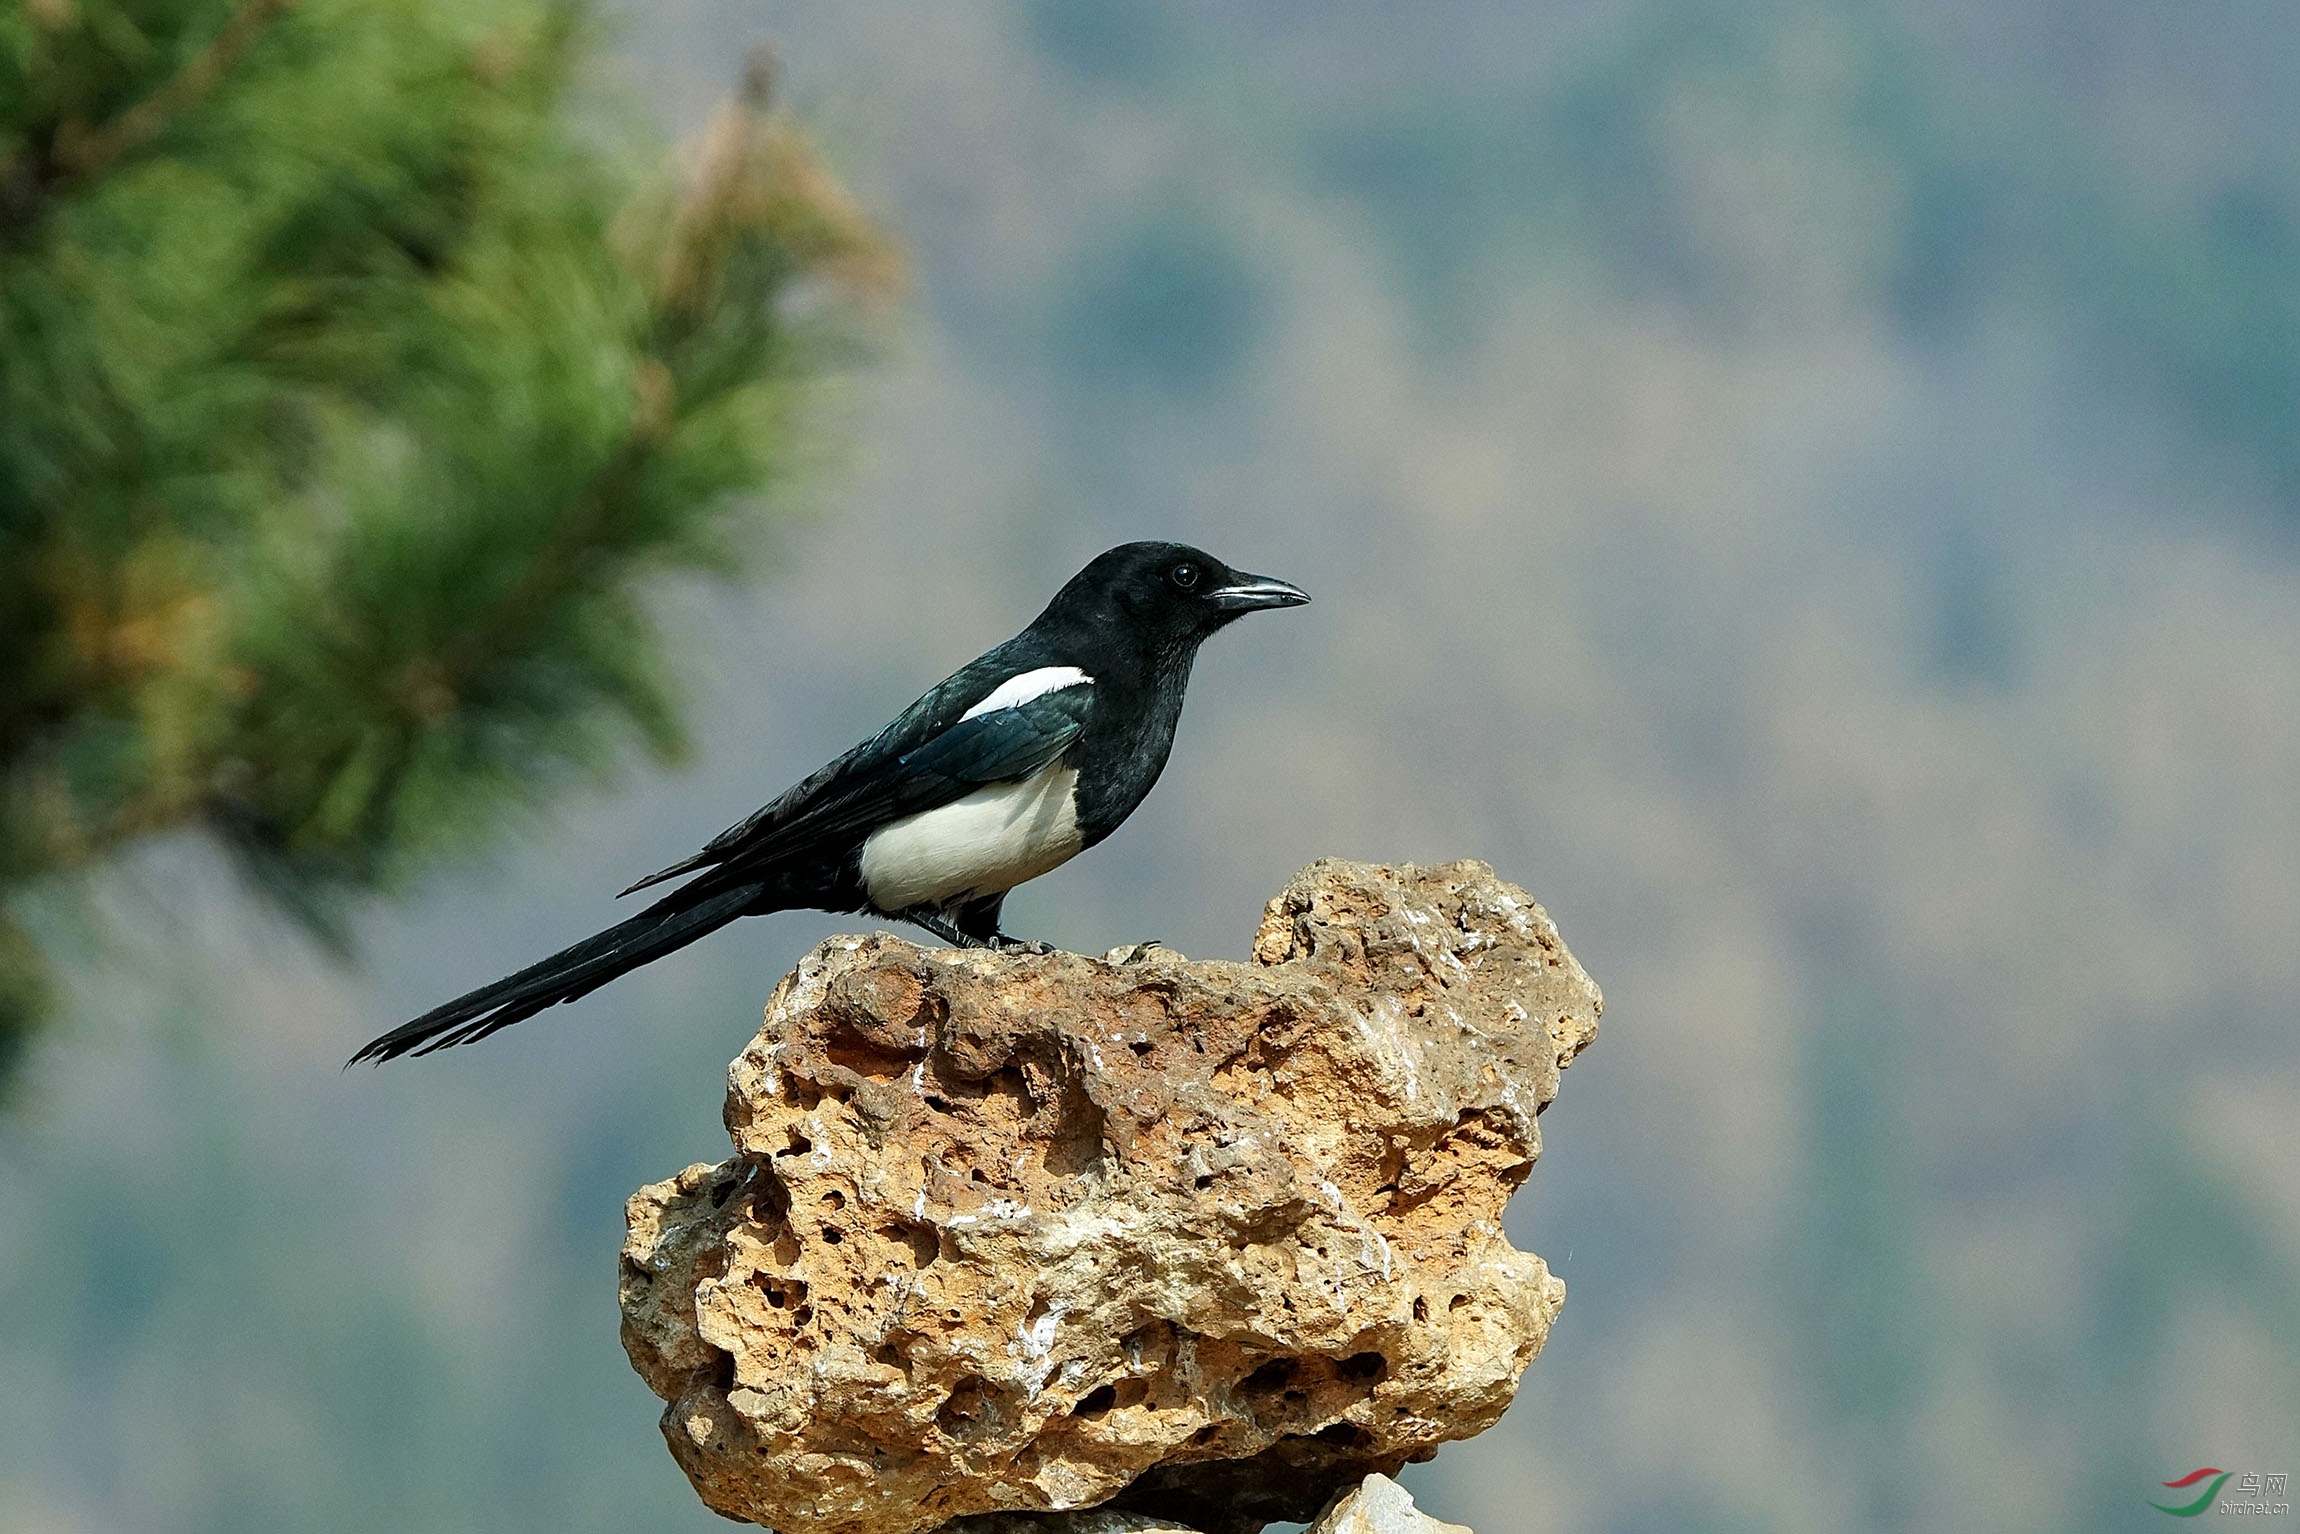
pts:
pixel 1184 575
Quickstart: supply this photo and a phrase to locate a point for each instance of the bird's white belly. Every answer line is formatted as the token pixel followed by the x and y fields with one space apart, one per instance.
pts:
pixel 989 841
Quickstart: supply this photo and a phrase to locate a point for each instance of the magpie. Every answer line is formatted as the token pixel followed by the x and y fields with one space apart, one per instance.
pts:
pixel 1017 763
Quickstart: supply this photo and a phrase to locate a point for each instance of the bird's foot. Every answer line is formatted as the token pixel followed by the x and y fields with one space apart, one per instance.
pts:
pixel 934 921
pixel 1138 952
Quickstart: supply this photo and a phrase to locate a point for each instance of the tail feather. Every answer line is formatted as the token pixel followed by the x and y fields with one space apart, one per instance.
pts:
pixel 683 866
pixel 574 971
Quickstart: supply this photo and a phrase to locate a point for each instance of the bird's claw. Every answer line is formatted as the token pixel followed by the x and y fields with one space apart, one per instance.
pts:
pixel 1139 952
pixel 1029 945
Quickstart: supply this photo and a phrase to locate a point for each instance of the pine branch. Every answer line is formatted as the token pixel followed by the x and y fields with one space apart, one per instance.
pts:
pixel 67 152
pixel 544 584
pixel 416 502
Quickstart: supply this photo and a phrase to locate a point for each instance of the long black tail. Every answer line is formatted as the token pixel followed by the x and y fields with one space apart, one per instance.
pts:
pixel 662 928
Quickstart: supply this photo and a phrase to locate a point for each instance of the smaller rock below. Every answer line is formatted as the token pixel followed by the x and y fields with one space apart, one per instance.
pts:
pixel 1379 1505
pixel 1101 1520
pixel 1376 1505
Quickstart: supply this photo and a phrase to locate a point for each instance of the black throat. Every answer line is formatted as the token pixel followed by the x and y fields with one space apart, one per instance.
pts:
pixel 1137 704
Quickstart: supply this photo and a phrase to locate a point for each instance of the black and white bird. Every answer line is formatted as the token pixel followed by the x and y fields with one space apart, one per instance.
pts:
pixel 1016 764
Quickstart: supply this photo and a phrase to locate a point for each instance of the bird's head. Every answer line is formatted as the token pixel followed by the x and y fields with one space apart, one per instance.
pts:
pixel 1168 595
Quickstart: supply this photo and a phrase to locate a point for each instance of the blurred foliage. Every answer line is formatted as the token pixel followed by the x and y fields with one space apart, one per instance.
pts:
pixel 1854 1267
pixel 1940 202
pixel 354 386
pixel 1112 41
pixel 1171 304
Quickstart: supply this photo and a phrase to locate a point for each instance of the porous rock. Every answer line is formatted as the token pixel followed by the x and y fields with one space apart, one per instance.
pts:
pixel 1205 1241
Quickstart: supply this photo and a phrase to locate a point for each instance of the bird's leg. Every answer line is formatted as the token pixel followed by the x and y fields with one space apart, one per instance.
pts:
pixel 1030 945
pixel 978 919
pixel 933 921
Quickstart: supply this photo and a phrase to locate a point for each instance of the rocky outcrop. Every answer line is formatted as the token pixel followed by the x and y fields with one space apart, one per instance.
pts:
pixel 1204 1241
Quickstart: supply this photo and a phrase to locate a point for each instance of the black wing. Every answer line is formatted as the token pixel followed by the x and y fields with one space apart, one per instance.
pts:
pixel 929 756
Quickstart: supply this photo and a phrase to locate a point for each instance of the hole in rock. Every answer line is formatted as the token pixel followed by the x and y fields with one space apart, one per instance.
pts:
pixel 923 1242
pixel 1457 1302
pixel 866 1057
pixel 799 1145
pixel 770 1202
pixel 1365 1366
pixel 724 1191
pixel 967 1407
pixel 1345 1434
pixel 723 1371
pixel 1207 1433
pixel 1203 1183
pixel 781 1295
pixel 833 1235
pixel 802 1315
pixel 1421 1308
pixel 1141 1048
pixel 835 1199
pixel 1098 1400
pixel 1272 1375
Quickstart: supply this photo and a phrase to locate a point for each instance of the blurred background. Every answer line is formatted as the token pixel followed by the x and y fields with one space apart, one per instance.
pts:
pixel 1807 488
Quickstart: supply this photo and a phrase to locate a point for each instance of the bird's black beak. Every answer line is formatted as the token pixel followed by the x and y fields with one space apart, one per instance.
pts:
pixel 1250 592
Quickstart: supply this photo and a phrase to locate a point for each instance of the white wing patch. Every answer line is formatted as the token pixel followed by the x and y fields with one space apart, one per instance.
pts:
pixel 989 841
pixel 1018 690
